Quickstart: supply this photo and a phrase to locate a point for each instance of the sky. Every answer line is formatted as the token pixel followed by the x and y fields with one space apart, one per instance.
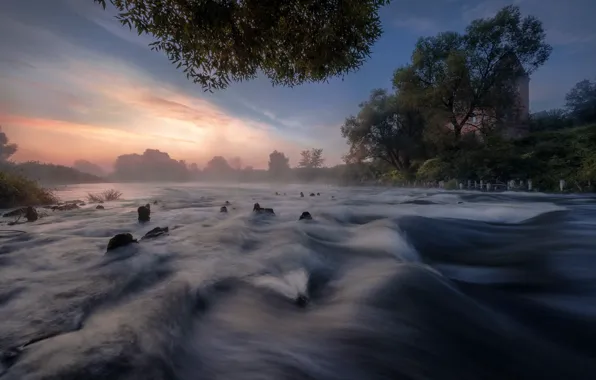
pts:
pixel 75 84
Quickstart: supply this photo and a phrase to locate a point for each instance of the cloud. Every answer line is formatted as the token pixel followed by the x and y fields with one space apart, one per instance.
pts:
pixel 87 105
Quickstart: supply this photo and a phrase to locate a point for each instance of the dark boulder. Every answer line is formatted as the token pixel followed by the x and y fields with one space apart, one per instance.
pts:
pixel 144 214
pixel 301 194
pixel 223 209
pixel 318 194
pixel 305 216
pixel 31 214
pixel 156 232
pixel 312 194
pixel 120 240
pixel 261 210
pixel 99 207
pixel 227 203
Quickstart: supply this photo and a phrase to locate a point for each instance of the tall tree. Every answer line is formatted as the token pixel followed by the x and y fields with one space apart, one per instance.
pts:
pixel 311 158
pixel 386 130
pixel 305 159
pixel 581 102
pixel 279 164
pixel 236 163
pixel 291 42
pixel 316 158
pixel 456 77
pixel 7 149
pixel 218 165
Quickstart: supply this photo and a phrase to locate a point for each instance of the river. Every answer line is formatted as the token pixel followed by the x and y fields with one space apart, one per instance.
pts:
pixel 401 284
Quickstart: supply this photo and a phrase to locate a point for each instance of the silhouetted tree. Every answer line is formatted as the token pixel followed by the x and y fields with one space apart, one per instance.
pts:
pixel 291 42
pixel 6 148
pixel 152 165
pixel 581 102
pixel 236 163
pixel 218 165
pixel 279 165
pixel 311 159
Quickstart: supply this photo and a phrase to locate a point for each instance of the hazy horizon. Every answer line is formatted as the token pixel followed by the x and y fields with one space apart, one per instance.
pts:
pixel 74 84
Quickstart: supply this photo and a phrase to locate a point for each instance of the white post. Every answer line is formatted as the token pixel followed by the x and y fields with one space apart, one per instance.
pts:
pixel 529 185
pixel 488 187
pixel 561 185
pixel 481 185
pixel 461 186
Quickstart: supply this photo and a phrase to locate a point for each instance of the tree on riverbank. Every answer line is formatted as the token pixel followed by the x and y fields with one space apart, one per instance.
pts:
pixel 290 42
pixel 452 80
pixel 470 81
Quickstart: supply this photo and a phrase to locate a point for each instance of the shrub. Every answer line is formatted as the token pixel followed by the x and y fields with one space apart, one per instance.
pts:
pixel 17 190
pixel 451 185
pixel 104 196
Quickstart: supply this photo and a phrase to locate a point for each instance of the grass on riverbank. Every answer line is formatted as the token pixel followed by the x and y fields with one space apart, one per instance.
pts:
pixel 104 196
pixel 17 190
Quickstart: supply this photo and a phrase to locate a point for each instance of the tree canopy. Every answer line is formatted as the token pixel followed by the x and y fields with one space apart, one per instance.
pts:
pixel 291 42
pixel 384 130
pixel 452 76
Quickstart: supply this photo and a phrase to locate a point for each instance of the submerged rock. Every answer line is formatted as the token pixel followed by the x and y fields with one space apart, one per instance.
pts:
pixel 144 214
pixel 17 212
pixel 318 194
pixel 156 232
pixel 99 207
pixel 227 203
pixel 66 207
pixel 261 210
pixel 31 214
pixel 301 300
pixel 120 240
pixel 305 215
pixel 223 209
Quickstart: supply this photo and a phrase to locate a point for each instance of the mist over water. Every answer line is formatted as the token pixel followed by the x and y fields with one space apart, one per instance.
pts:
pixel 402 284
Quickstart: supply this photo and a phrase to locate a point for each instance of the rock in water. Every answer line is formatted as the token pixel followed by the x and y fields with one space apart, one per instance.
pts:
pixel 144 214
pixel 99 207
pixel 301 300
pixel 318 194
pixel 156 232
pixel 301 194
pixel 31 214
pixel 223 209
pixel 228 203
pixel 120 240
pixel 312 194
pixel 305 215
pixel 260 210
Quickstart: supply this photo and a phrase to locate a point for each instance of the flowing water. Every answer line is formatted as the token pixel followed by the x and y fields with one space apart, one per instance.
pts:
pixel 402 284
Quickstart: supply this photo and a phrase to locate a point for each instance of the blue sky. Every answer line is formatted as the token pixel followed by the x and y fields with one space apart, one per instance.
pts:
pixel 75 84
